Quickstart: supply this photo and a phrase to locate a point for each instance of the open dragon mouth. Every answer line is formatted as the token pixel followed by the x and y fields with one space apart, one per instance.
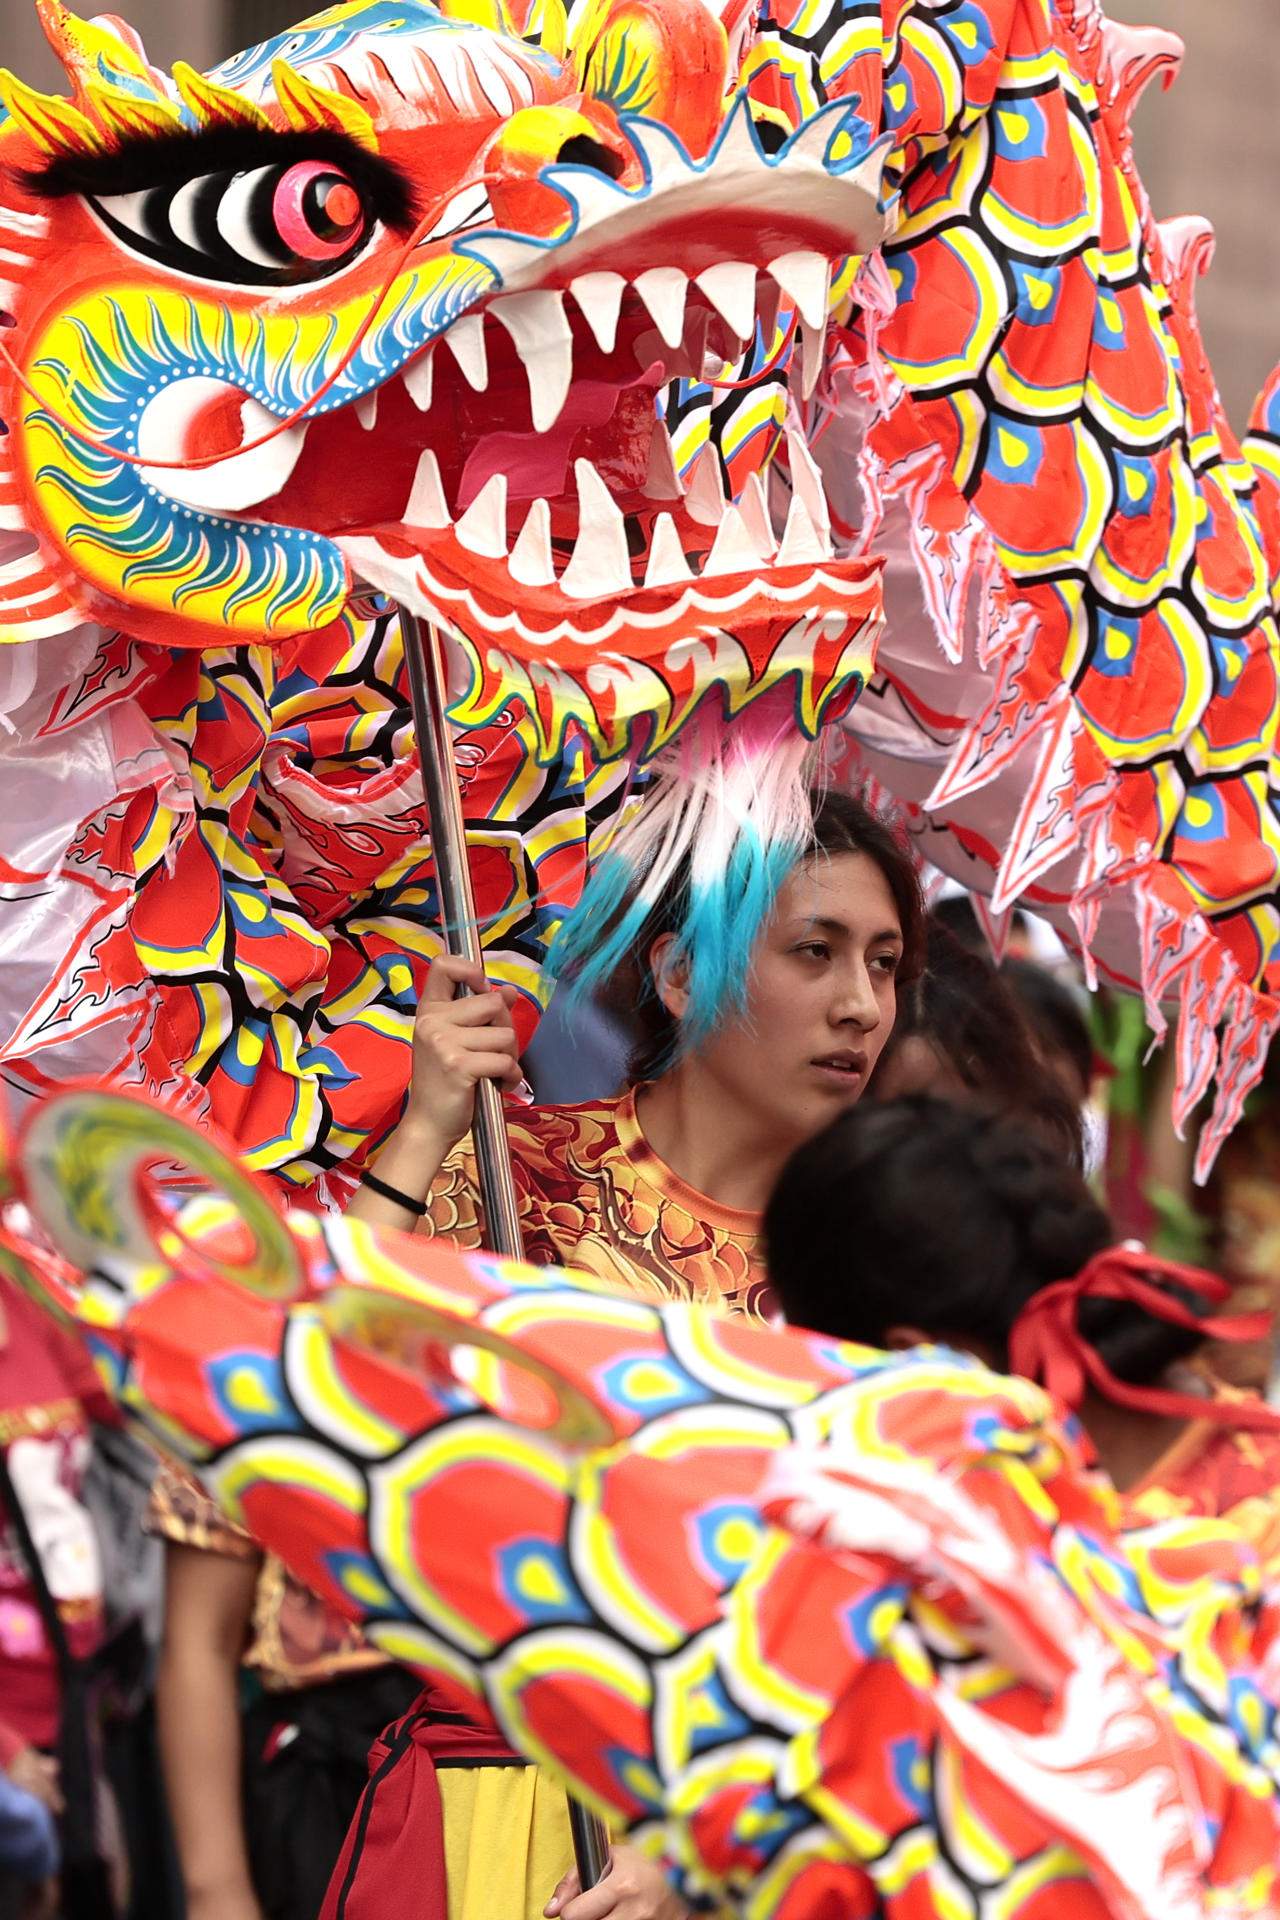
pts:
pixel 516 482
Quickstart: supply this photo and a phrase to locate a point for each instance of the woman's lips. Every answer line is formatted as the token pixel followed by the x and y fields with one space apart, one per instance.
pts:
pixel 841 1069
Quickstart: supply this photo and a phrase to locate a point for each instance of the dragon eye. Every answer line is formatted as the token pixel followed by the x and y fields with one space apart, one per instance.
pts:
pixel 267 225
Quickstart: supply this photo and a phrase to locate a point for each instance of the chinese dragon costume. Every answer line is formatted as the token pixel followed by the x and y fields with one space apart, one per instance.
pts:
pixel 837 1632
pixel 661 355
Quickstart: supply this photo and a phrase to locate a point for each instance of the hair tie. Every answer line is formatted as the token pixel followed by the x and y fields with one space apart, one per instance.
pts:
pixel 1047 1346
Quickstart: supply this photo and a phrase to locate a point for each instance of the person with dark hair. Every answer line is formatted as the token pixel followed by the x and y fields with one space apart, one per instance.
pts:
pixel 661 1189
pixel 966 1228
pixel 962 1034
pixel 663 1186
pixel 1058 1028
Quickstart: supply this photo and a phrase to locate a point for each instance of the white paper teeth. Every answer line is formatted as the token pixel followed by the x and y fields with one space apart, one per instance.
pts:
pixel 366 410
pixel 662 482
pixel 754 508
pixel 666 566
pixel 704 490
pixel 600 563
pixel 531 562
pixel 544 341
pixel 731 289
pixel 733 550
pixel 805 279
pixel 465 340
pixel 419 378
pixel 801 544
pixel 599 300
pixel 664 290
pixel 812 349
pixel 427 507
pixel 483 527
pixel 806 482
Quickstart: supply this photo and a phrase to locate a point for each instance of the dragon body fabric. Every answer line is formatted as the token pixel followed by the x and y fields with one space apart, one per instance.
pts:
pixel 845 1635
pixel 649 350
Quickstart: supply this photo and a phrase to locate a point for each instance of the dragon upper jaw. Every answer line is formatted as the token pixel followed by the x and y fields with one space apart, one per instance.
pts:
pixel 521 459
pixel 522 454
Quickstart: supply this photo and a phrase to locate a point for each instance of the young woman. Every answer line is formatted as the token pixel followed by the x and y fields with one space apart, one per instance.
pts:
pixel 971 1230
pixel 661 1188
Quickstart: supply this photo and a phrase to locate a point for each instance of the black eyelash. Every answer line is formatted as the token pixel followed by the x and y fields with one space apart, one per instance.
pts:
pixel 171 159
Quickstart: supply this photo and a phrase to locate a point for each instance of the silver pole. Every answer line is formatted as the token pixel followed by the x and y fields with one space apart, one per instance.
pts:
pixel 423 657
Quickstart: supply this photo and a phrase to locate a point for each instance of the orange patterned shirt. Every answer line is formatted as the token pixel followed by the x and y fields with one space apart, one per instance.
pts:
pixel 594 1195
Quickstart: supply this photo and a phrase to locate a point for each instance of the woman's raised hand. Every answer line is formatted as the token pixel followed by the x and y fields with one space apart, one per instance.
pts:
pixel 457 1042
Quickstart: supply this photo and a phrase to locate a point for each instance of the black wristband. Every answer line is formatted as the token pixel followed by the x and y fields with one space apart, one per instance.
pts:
pixel 418 1208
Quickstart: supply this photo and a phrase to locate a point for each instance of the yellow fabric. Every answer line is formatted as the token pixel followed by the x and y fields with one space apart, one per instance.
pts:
pixel 506 1841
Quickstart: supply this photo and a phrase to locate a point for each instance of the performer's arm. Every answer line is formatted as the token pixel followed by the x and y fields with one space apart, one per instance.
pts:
pixel 208 1603
pixel 456 1044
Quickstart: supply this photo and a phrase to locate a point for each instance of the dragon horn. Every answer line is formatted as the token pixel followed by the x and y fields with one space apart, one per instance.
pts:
pixel 52 124
pixel 100 52
pixel 212 105
pixel 306 106
pixel 493 14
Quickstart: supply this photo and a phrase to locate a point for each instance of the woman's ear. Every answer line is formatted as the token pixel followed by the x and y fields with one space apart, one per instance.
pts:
pixel 670 974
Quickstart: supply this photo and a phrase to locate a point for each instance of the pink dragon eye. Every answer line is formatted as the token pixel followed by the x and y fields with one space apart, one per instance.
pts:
pixel 316 210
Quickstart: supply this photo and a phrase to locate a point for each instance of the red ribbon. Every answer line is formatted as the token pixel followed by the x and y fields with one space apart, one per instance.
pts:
pixel 1046 1344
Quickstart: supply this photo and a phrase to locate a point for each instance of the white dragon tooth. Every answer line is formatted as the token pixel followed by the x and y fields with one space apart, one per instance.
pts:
pixel 731 289
pixel 754 508
pixel 600 563
pixel 805 279
pixel 531 563
pixel 544 341
pixel 366 409
pixel 802 545
pixel 465 338
pixel 806 481
pixel 599 298
pixel 427 506
pixel 667 566
pixel 419 378
pixel 812 349
pixel 704 489
pixel 733 550
pixel 662 482
pixel 483 527
pixel 768 300
pixel 664 290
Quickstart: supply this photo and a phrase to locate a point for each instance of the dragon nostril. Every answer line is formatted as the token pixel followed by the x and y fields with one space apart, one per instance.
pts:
pixel 580 150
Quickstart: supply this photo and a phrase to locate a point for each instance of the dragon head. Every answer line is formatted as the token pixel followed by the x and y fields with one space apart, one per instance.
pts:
pixel 400 301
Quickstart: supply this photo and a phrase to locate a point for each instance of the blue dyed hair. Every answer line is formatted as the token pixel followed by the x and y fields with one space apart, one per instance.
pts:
pixel 605 948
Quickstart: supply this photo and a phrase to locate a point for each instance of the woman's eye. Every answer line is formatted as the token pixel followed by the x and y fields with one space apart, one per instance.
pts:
pixel 273 225
pixel 887 962
pixel 818 948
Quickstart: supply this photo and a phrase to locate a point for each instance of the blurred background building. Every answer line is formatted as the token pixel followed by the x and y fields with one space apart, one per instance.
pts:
pixel 1212 146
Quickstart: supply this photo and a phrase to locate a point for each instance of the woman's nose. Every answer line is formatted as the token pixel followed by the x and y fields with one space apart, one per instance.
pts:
pixel 856 1003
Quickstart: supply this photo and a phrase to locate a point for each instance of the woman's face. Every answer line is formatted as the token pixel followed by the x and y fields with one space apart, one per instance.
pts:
pixel 820 1001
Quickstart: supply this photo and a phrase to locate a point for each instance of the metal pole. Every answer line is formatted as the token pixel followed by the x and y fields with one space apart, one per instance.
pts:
pixel 422 652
